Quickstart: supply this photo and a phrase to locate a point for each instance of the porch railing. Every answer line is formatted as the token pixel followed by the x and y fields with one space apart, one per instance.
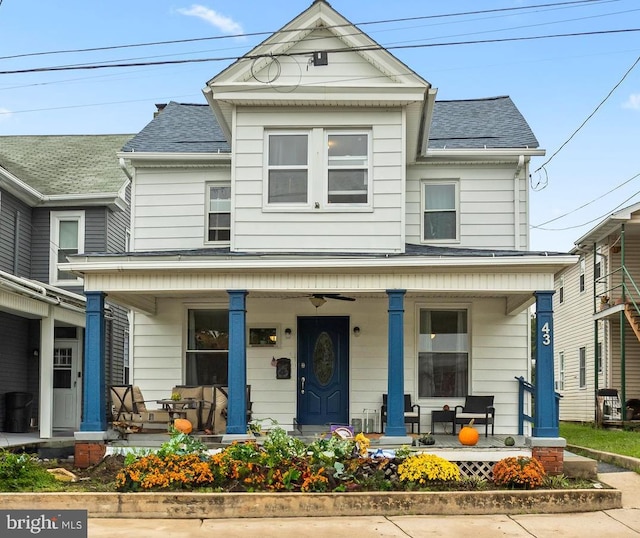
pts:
pixel 525 386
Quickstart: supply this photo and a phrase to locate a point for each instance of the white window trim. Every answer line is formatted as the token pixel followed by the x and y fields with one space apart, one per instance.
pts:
pixel 324 204
pixel 287 206
pixel 561 369
pixel 582 276
pixel 423 184
pixel 317 173
pixel 580 384
pixel 55 218
pixel 207 212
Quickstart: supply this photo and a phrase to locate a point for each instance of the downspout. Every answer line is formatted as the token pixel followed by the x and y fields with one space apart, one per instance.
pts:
pixel 595 337
pixel 124 168
pixel 516 203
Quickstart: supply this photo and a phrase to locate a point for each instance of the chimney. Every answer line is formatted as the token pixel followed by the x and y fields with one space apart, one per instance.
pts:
pixel 160 108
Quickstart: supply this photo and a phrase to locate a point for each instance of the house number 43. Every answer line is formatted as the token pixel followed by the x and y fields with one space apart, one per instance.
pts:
pixel 546 334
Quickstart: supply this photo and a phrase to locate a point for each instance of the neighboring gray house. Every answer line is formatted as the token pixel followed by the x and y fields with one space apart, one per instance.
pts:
pixel 59 195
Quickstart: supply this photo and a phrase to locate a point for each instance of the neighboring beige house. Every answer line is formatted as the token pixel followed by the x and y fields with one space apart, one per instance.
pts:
pixel 595 304
pixel 324 208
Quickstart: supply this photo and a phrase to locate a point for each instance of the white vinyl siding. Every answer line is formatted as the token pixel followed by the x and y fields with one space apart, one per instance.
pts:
pixel 67 234
pixel 159 345
pixel 489 216
pixel 170 207
pixel 374 226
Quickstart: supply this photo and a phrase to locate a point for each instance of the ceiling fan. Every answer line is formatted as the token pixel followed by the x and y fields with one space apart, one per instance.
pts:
pixel 318 299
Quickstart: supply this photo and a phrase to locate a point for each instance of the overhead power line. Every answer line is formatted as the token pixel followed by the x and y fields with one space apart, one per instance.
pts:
pixel 78 67
pixel 256 34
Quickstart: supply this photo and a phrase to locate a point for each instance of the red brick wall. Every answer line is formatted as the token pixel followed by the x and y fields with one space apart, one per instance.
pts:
pixel 552 458
pixel 88 454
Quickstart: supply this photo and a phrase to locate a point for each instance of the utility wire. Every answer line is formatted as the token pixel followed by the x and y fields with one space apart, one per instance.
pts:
pixel 608 213
pixel 76 67
pixel 589 116
pixel 255 34
pixel 539 226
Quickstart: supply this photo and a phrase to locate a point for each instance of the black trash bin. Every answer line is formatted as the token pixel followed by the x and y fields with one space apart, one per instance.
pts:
pixel 17 411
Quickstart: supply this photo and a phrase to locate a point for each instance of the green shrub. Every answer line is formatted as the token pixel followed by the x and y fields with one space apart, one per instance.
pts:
pixel 22 472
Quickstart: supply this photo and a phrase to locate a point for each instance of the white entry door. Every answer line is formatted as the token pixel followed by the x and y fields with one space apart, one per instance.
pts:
pixel 66 385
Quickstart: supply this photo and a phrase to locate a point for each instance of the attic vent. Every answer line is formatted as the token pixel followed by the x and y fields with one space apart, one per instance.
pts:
pixel 320 58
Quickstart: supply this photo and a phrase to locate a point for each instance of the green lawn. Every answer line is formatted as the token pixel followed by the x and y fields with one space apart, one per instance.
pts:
pixel 626 443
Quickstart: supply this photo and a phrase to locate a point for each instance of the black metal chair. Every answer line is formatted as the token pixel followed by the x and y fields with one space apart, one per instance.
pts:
pixel 477 408
pixel 411 412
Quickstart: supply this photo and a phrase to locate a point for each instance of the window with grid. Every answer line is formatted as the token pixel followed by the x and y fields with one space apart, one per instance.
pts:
pixel 443 354
pixel 440 211
pixel 219 212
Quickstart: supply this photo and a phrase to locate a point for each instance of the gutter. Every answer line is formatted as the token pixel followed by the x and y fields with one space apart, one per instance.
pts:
pixel 171 263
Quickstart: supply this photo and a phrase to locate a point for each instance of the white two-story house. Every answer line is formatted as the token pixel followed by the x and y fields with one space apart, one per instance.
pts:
pixel 322 207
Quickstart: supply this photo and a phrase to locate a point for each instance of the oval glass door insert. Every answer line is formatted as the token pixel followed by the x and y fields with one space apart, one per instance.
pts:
pixel 324 359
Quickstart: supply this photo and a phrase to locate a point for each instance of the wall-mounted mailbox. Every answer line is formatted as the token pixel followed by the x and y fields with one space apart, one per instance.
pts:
pixel 283 368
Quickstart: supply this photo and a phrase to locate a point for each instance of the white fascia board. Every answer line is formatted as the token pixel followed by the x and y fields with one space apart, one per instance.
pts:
pixel 114 201
pixel 173 156
pixel 20 189
pixel 171 263
pixel 461 154
pixel 608 225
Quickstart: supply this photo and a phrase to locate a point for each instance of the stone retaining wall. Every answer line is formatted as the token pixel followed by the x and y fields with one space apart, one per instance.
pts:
pixel 233 505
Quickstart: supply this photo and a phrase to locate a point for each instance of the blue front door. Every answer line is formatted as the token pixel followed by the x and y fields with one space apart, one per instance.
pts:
pixel 323 370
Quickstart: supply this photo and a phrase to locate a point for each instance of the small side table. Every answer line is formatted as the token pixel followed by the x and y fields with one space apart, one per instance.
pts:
pixel 446 417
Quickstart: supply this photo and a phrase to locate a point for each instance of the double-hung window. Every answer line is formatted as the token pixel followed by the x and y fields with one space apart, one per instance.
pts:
pixel 583 268
pixel 219 212
pixel 288 168
pixel 66 238
pixel 318 169
pixel 443 354
pixel 207 347
pixel 347 168
pixel 440 211
pixel 582 367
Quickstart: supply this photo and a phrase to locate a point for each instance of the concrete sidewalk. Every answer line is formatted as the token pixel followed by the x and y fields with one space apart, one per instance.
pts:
pixel 620 523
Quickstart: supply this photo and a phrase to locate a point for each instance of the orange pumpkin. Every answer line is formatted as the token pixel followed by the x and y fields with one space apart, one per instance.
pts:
pixel 183 425
pixel 468 435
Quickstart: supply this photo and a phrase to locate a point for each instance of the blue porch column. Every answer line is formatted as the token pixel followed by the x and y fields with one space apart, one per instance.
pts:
pixel 545 413
pixel 237 409
pixel 94 410
pixel 395 367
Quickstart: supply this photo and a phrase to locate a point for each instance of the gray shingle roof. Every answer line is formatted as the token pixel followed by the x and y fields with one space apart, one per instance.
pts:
pixel 492 122
pixel 181 128
pixel 59 165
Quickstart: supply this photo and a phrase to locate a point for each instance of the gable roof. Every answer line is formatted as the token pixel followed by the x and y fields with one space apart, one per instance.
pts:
pixel 492 122
pixel 181 128
pixel 66 164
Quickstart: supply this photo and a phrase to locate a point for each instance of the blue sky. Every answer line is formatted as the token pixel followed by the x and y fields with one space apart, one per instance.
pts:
pixel 557 83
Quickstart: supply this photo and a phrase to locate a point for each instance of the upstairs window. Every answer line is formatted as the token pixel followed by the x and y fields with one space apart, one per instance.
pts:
pixel 583 266
pixel 219 212
pixel 348 168
pixel 288 168
pixel 66 238
pixel 561 290
pixel 440 211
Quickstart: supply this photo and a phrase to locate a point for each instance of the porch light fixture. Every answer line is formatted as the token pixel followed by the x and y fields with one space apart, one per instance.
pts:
pixel 317 301
pixel 356 331
pixel 287 333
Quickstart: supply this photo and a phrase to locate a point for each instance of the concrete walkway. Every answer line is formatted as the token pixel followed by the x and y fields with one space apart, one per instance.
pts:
pixel 619 523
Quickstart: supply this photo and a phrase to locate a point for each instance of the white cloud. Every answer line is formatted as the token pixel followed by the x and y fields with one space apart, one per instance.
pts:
pixel 5 114
pixel 633 102
pixel 223 23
